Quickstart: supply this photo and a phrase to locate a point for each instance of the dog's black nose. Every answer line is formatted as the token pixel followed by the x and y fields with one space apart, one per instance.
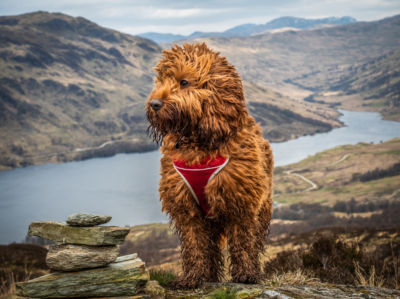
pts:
pixel 156 104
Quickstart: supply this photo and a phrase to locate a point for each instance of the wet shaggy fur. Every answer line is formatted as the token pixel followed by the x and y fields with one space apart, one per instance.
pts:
pixel 204 115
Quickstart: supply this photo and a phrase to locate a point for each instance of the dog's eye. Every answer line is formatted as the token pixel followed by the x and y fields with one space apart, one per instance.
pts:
pixel 184 83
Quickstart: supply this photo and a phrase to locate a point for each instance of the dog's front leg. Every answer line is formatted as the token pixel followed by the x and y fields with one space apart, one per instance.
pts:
pixel 201 256
pixel 243 251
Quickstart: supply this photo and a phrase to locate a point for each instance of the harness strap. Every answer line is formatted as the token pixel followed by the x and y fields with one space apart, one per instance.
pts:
pixel 197 177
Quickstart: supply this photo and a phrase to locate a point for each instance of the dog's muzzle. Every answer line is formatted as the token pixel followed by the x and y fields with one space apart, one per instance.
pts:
pixel 156 104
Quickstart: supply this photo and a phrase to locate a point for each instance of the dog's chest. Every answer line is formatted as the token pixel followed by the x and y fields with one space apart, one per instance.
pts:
pixel 197 177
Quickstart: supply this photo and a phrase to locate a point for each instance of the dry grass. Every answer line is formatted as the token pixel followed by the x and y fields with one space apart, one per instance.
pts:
pixel 9 281
pixel 370 279
pixel 296 277
pixel 396 265
pixel 7 287
pixel 20 262
pixel 363 257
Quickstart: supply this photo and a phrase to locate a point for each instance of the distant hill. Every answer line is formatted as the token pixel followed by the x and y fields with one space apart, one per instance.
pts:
pixel 356 57
pixel 70 89
pixel 252 29
pixel 342 174
pixel 376 83
pixel 287 22
pixel 282 118
pixel 67 84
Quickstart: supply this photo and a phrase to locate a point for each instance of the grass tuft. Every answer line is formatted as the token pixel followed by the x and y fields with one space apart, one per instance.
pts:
pixel 364 279
pixel 163 277
pixel 296 277
pixel 7 286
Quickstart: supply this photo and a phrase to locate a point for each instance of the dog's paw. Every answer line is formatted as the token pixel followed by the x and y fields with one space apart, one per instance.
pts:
pixel 247 279
pixel 184 284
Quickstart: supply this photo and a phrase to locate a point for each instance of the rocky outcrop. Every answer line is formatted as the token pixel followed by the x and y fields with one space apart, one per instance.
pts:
pixel 320 291
pixel 151 289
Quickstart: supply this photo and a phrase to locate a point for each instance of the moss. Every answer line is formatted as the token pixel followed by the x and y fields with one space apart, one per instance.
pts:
pixel 225 293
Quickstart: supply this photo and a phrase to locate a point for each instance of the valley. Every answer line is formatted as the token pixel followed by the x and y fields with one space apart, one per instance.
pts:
pixel 353 66
pixel 68 84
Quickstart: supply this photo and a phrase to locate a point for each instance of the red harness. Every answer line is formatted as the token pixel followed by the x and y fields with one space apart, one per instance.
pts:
pixel 197 177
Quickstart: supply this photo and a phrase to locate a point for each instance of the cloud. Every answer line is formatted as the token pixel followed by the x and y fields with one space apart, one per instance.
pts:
pixel 184 17
pixel 168 13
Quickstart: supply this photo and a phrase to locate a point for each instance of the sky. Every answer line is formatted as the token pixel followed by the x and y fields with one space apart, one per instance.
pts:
pixel 185 17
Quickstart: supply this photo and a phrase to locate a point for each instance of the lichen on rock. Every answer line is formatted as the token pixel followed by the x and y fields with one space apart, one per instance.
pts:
pixel 85 219
pixel 121 278
pixel 62 233
pixel 68 257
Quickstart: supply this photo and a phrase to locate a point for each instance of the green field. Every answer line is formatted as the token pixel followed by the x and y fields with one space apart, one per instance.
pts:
pixel 333 175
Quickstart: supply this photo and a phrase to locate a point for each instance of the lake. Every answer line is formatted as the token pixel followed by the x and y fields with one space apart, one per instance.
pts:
pixel 125 186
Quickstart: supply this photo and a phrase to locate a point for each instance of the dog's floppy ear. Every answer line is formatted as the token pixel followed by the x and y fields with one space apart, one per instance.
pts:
pixel 220 121
pixel 211 130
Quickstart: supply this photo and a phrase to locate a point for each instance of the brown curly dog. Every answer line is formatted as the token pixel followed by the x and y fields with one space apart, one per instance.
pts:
pixel 216 169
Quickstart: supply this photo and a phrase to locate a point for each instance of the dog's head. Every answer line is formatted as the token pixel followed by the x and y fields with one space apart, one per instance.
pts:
pixel 197 95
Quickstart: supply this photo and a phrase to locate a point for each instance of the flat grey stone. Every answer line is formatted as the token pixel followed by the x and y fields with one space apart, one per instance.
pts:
pixel 117 279
pixel 62 233
pixel 84 219
pixel 69 257
pixel 126 258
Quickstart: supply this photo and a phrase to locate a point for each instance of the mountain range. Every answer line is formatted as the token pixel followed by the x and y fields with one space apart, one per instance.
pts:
pixel 353 66
pixel 70 89
pixel 282 23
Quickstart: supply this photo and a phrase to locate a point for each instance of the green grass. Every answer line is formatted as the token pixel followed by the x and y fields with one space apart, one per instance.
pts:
pixel 391 152
pixel 310 159
pixel 376 105
pixel 163 277
pixel 372 189
pixel 333 174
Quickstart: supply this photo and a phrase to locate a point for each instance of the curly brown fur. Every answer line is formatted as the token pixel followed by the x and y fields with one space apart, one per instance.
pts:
pixel 208 118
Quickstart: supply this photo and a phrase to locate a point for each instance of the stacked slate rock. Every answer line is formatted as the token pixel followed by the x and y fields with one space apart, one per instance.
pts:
pixel 90 253
pixel 86 258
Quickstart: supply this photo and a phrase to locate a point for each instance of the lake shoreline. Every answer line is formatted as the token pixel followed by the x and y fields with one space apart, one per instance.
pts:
pixel 107 151
pixel 114 147
pixel 126 185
